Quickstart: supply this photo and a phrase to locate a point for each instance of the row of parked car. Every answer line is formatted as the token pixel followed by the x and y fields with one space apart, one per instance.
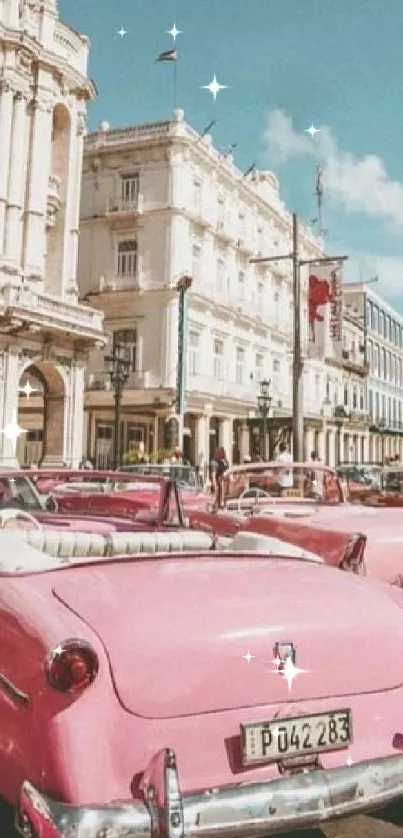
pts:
pixel 168 670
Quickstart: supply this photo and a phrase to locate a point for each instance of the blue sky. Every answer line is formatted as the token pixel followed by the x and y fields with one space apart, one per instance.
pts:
pixel 335 63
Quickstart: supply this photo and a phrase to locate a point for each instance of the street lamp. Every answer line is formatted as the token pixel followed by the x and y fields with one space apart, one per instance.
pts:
pixel 380 426
pixel 340 414
pixel 264 401
pixel 119 367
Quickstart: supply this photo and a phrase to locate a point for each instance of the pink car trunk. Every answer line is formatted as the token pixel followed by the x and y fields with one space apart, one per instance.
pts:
pixel 177 630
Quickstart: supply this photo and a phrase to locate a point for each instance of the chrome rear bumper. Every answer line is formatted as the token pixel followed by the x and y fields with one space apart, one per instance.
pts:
pixel 247 810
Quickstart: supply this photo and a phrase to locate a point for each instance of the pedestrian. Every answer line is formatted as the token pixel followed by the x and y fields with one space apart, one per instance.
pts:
pixel 285 477
pixel 218 466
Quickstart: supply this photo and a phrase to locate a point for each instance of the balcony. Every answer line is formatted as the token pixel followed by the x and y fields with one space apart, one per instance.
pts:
pixel 53 200
pixel 118 283
pixel 139 380
pixel 21 307
pixel 121 207
pixel 354 362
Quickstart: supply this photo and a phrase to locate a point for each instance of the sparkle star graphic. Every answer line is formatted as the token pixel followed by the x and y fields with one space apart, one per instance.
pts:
pixel 12 431
pixel 122 32
pixel 312 130
pixel 288 669
pixel 214 87
pixel 174 32
pixel 248 657
pixel 27 390
pixel 349 761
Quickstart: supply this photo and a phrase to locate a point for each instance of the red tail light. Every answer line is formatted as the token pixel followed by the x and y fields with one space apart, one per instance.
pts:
pixel 72 666
pixel 353 559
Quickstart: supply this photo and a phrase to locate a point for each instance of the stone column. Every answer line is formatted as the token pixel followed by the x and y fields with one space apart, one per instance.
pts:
pixel 77 443
pixel 16 180
pixel 6 123
pixel 38 181
pixel 244 444
pixel 72 215
pixel 225 436
pixel 9 378
pixel 322 444
pixel 54 431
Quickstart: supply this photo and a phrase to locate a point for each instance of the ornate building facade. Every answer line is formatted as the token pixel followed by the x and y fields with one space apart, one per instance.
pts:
pixel 45 334
pixel 159 201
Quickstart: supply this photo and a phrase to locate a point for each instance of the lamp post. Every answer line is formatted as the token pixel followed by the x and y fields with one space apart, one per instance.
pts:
pixel 298 361
pixel 182 287
pixel 381 428
pixel 264 401
pixel 119 369
pixel 340 414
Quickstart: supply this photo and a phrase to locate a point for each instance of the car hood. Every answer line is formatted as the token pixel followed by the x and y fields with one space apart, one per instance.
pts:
pixel 178 631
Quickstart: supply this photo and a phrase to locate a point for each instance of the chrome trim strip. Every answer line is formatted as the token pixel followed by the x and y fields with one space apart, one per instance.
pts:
pixel 246 810
pixel 13 691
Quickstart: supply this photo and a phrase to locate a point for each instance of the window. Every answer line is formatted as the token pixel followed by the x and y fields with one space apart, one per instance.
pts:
pixel 221 275
pixel 361 400
pixel 345 398
pixel 129 188
pixel 355 399
pixel 259 290
pixel 128 339
pixel 135 436
pixel 34 436
pixel 371 402
pixel 104 431
pixel 218 359
pixel 259 364
pixel 376 405
pixel 220 211
pixel 241 285
pixel 127 258
pixel 196 260
pixel 197 197
pixel 276 376
pixel 239 365
pixel 317 389
pixel 193 353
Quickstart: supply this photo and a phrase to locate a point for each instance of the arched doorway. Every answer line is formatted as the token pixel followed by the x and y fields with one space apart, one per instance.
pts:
pixel 41 414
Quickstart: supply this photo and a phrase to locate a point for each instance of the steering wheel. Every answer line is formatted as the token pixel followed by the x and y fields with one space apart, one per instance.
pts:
pixel 7 515
pixel 257 493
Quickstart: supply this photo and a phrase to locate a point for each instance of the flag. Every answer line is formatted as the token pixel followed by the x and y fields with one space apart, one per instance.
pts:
pixel 168 55
pixel 325 310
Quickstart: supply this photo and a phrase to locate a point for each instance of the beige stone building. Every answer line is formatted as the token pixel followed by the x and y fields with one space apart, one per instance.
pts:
pixel 160 201
pixel 45 334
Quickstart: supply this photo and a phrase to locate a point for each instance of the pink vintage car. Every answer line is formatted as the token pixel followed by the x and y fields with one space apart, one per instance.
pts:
pixel 189 692
pixel 303 504
pixel 151 503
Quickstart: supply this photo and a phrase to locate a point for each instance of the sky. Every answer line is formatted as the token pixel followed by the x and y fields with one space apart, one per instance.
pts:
pixel 287 64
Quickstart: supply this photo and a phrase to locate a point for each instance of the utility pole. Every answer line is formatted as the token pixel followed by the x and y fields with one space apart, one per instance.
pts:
pixel 298 361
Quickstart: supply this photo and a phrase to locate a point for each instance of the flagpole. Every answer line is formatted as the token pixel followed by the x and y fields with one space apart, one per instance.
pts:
pixel 175 84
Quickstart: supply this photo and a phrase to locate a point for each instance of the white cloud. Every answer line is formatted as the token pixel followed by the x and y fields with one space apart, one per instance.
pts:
pixel 359 185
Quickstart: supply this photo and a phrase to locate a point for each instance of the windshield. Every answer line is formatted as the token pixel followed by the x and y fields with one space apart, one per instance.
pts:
pixel 392 480
pixel 366 475
pixel 18 492
pixel 285 480
pixel 186 475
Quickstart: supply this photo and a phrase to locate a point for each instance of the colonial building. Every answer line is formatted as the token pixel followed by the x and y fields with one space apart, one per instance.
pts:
pixel 383 347
pixel 346 400
pixel 159 201
pixel 45 334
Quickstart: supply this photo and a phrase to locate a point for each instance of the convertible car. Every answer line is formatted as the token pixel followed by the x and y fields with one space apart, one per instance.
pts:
pixel 173 694
pixel 302 503
pixel 152 501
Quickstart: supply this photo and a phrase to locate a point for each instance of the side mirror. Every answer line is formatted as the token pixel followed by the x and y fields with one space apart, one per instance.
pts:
pixel 51 504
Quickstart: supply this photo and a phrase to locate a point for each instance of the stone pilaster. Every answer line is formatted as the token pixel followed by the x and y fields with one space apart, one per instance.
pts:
pixel 16 180
pixel 6 124
pixel 38 179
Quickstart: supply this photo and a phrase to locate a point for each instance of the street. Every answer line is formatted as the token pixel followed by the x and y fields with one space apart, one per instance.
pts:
pixel 359 827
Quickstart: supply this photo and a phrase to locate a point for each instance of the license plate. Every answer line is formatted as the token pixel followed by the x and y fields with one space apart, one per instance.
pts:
pixel 281 738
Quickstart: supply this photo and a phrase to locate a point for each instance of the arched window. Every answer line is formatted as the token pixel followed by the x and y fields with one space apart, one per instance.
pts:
pixel 129 339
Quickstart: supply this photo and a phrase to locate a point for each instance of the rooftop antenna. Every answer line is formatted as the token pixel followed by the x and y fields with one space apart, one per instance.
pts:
pixel 250 170
pixel 228 150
